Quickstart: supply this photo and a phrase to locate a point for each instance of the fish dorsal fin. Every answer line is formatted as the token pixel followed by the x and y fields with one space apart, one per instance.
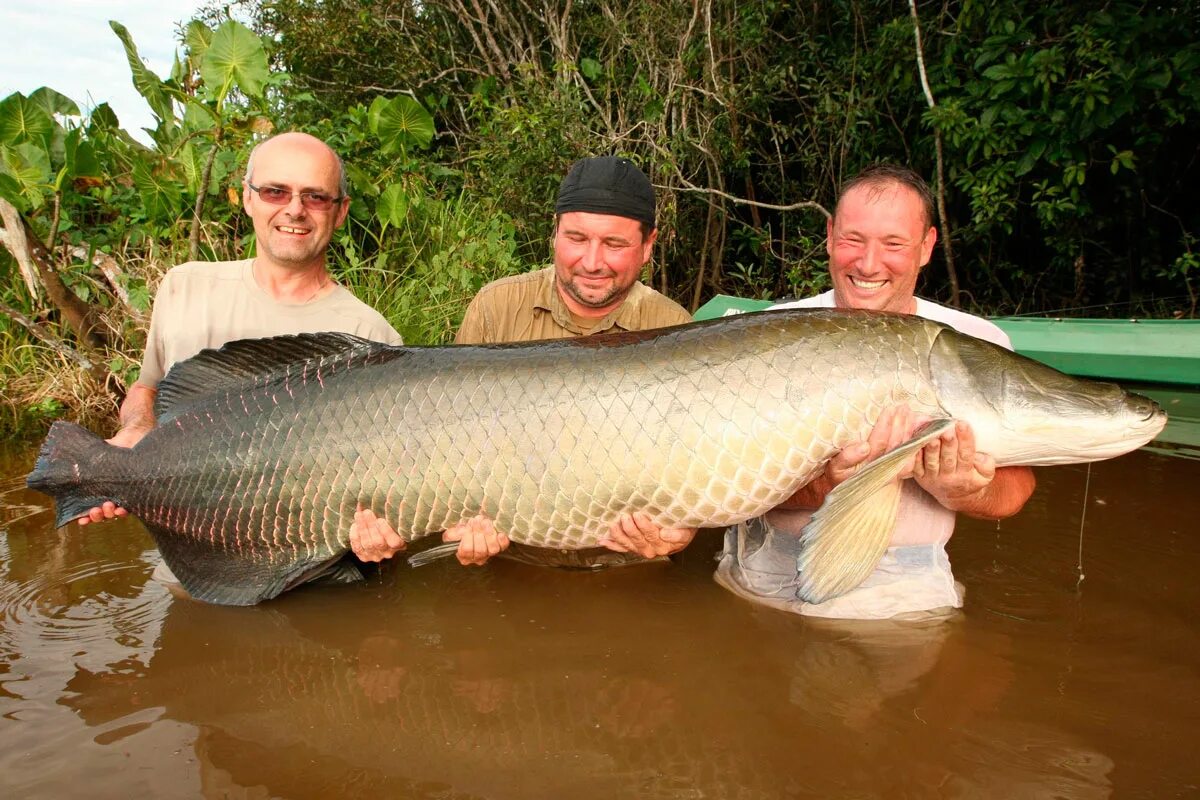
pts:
pixel 247 363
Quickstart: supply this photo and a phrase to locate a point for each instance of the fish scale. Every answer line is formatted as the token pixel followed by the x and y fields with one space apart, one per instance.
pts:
pixel 265 448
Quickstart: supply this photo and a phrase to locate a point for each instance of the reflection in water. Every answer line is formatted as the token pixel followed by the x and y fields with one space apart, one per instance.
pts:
pixel 518 682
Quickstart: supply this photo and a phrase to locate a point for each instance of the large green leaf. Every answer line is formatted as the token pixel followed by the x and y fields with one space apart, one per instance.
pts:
pixel 197 36
pixel 149 85
pixel 392 205
pixel 161 195
pixel 199 115
pixel 29 166
pixel 55 103
pixel 22 120
pixel 81 158
pixel 194 158
pixel 104 118
pixel 399 122
pixel 10 190
pixel 234 56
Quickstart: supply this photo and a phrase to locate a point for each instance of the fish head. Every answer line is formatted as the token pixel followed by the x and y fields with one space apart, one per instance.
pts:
pixel 1025 412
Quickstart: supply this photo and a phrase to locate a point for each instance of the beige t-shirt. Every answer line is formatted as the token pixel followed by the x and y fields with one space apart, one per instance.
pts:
pixel 523 308
pixel 208 303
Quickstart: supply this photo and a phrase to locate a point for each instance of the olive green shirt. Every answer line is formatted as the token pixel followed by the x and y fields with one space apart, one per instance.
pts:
pixel 522 308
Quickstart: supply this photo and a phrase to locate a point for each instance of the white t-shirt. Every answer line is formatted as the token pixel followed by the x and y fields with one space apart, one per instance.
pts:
pixel 920 519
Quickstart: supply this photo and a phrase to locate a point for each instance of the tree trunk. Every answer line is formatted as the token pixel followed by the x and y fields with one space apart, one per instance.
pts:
pixel 23 243
pixel 947 249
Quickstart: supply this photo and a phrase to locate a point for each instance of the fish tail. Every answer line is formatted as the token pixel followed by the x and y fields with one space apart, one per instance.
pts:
pixel 68 468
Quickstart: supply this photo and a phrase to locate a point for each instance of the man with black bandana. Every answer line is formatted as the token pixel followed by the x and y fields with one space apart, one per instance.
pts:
pixel 604 234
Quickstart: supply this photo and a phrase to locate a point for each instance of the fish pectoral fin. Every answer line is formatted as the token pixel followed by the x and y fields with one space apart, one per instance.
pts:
pixel 849 533
pixel 432 554
pixel 344 570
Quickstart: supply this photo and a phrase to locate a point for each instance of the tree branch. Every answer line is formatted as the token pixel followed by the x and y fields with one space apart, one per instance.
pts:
pixel 947 249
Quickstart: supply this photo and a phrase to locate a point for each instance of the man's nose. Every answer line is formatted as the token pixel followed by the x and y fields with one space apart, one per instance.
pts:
pixel 295 205
pixel 872 257
pixel 592 259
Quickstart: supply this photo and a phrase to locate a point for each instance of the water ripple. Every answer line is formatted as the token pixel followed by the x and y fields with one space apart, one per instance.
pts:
pixel 87 604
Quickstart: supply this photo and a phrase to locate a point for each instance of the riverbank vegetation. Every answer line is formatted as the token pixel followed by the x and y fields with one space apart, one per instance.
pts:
pixel 1062 144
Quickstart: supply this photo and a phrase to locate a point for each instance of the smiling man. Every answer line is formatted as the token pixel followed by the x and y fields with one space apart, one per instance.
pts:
pixel 880 237
pixel 604 234
pixel 295 193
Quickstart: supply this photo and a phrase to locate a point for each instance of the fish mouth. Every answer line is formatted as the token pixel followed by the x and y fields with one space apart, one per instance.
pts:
pixel 1149 414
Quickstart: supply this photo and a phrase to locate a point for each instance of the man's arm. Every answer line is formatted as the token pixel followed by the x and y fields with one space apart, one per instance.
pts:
pixel 948 468
pixel 136 416
pixel 632 533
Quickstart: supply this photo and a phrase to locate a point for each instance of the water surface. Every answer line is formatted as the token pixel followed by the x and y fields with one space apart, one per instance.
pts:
pixel 1056 680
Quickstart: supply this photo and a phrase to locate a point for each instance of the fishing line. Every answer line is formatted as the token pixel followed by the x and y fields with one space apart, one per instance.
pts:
pixel 1087 482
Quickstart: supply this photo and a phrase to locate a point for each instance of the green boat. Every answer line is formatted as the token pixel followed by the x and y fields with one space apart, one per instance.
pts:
pixel 1157 358
pixel 1142 351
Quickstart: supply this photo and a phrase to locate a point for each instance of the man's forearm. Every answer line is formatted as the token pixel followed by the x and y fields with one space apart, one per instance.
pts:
pixel 810 495
pixel 136 415
pixel 1004 496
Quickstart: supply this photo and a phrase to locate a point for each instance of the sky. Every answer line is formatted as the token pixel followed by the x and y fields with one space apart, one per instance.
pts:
pixel 68 46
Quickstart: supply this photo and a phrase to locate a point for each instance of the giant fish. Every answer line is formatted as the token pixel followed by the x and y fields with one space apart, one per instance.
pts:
pixel 265 448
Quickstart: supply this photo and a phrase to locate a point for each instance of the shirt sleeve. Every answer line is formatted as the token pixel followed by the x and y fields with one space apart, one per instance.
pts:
pixel 473 329
pixel 152 360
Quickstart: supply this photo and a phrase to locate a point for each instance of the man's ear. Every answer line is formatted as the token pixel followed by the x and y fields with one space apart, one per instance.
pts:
pixel 342 213
pixel 648 245
pixel 927 245
pixel 829 237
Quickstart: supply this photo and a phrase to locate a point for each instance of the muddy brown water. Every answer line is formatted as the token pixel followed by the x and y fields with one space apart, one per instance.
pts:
pixel 513 681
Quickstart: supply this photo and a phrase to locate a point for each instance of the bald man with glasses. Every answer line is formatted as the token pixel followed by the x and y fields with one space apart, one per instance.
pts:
pixel 295 193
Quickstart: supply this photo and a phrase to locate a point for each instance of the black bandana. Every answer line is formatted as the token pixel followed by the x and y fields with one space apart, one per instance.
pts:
pixel 607 185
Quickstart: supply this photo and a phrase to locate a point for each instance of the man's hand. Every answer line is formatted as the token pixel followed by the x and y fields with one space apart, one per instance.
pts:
pixel 636 533
pixel 126 437
pixel 372 538
pixel 478 540
pixel 963 480
pixel 137 419
pixel 949 468
pixel 109 510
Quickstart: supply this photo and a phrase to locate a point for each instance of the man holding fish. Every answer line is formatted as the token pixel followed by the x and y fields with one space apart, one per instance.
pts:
pixel 604 233
pixel 879 238
pixel 296 195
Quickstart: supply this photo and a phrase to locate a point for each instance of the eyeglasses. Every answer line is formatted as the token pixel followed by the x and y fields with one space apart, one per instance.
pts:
pixel 313 201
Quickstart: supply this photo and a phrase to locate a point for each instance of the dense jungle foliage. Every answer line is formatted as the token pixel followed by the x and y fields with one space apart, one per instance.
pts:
pixel 1061 139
